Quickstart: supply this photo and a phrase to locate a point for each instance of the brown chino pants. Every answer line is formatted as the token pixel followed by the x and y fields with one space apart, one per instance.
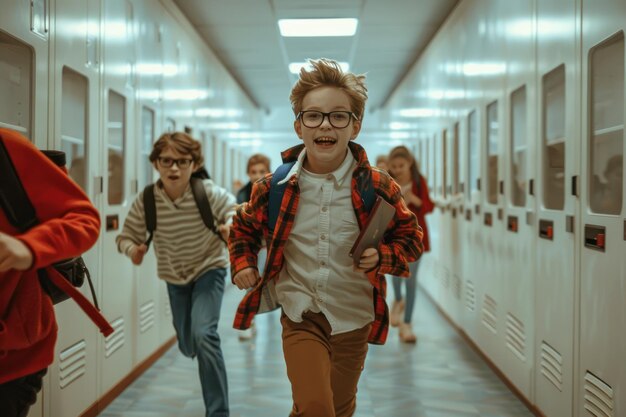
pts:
pixel 324 370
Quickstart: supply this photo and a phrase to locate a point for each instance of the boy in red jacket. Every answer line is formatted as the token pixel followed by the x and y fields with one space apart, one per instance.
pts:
pixel 69 225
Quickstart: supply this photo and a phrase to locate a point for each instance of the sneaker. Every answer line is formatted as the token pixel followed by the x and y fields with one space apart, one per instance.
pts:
pixel 406 333
pixel 248 333
pixel 397 310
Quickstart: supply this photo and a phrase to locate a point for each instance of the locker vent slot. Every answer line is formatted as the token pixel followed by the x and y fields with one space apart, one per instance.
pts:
pixel 146 316
pixel 72 363
pixel 599 397
pixel 456 286
pixel 490 317
pixel 116 339
pixel 552 365
pixel 470 296
pixel 516 336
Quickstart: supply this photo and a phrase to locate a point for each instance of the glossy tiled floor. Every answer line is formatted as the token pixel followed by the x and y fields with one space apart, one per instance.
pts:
pixel 439 377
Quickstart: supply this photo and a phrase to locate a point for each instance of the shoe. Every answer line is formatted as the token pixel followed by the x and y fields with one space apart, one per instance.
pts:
pixel 406 333
pixel 397 310
pixel 248 333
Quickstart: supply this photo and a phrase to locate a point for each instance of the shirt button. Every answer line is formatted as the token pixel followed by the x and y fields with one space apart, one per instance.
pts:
pixel 323 237
pixel 324 209
pixel 329 177
pixel 322 263
pixel 320 300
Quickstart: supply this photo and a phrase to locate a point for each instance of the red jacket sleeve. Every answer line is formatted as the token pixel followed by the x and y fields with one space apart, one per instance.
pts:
pixel 69 225
pixel 427 204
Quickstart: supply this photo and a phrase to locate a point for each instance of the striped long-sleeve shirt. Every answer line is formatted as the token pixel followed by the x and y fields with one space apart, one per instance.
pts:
pixel 184 246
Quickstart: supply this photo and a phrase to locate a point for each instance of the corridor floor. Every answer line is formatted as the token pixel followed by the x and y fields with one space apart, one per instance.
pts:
pixel 439 377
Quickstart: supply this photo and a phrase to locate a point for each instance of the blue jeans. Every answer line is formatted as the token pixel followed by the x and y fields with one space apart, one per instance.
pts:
pixel 196 313
pixel 411 290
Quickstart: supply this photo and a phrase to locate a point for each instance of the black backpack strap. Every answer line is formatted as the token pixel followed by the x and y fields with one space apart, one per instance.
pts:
pixel 13 198
pixel 276 194
pixel 149 208
pixel 57 157
pixel 202 201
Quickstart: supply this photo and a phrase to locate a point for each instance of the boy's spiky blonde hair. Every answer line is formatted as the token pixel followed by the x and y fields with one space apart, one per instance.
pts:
pixel 326 72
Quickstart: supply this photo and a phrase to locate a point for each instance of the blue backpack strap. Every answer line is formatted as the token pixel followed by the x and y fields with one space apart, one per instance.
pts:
pixel 276 194
pixel 366 189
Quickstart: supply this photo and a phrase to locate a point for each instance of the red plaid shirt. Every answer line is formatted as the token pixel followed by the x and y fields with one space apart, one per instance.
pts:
pixel 402 242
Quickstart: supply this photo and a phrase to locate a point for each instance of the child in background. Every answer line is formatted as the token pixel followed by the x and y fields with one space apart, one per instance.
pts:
pixel 382 162
pixel 190 257
pixel 332 305
pixel 403 168
pixel 258 167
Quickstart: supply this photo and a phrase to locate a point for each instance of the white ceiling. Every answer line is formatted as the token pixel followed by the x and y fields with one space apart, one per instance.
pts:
pixel 244 35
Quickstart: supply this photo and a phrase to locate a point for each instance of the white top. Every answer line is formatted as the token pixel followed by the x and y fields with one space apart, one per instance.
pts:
pixel 184 247
pixel 318 273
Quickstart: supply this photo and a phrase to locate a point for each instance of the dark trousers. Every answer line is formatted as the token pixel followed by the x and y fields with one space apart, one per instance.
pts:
pixel 18 395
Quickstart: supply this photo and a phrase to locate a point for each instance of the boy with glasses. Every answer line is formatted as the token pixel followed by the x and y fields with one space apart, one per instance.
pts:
pixel 332 305
pixel 190 257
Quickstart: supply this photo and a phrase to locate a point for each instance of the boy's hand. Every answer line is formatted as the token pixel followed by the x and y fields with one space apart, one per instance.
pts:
pixel 136 255
pixel 246 278
pixel 224 231
pixel 14 254
pixel 369 259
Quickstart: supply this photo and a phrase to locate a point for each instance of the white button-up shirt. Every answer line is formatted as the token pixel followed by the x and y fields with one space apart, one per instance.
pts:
pixel 318 273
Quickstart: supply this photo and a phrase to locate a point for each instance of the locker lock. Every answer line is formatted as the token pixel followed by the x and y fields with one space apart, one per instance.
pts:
pixel 600 240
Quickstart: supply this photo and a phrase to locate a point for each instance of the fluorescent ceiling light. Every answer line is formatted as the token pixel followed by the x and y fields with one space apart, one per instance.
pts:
pixel 295 67
pixel 418 112
pixel 317 27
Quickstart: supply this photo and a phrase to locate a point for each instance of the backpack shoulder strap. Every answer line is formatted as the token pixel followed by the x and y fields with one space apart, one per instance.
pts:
pixel 276 194
pixel 202 201
pixel 149 208
pixel 13 198
pixel 367 191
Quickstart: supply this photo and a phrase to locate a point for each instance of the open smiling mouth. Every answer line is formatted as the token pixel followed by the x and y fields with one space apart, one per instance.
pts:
pixel 325 141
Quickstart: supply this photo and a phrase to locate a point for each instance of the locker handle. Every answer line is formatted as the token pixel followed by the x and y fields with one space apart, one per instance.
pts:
pixel 531 186
pixel 595 237
pixel 575 185
pixel 112 222
pixel 546 229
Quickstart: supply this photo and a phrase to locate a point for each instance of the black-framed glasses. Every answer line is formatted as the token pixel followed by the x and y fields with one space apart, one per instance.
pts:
pixel 337 119
pixel 166 162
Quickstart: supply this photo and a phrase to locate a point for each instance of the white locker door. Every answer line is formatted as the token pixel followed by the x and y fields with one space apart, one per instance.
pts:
pixel 118 157
pixel 148 127
pixel 73 376
pixel 24 36
pixel 602 374
pixel 472 241
pixel 557 151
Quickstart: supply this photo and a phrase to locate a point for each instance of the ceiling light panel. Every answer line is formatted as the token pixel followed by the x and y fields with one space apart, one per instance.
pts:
pixel 317 27
pixel 294 67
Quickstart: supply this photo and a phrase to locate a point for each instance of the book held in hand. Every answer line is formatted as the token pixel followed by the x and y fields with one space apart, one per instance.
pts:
pixel 372 232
